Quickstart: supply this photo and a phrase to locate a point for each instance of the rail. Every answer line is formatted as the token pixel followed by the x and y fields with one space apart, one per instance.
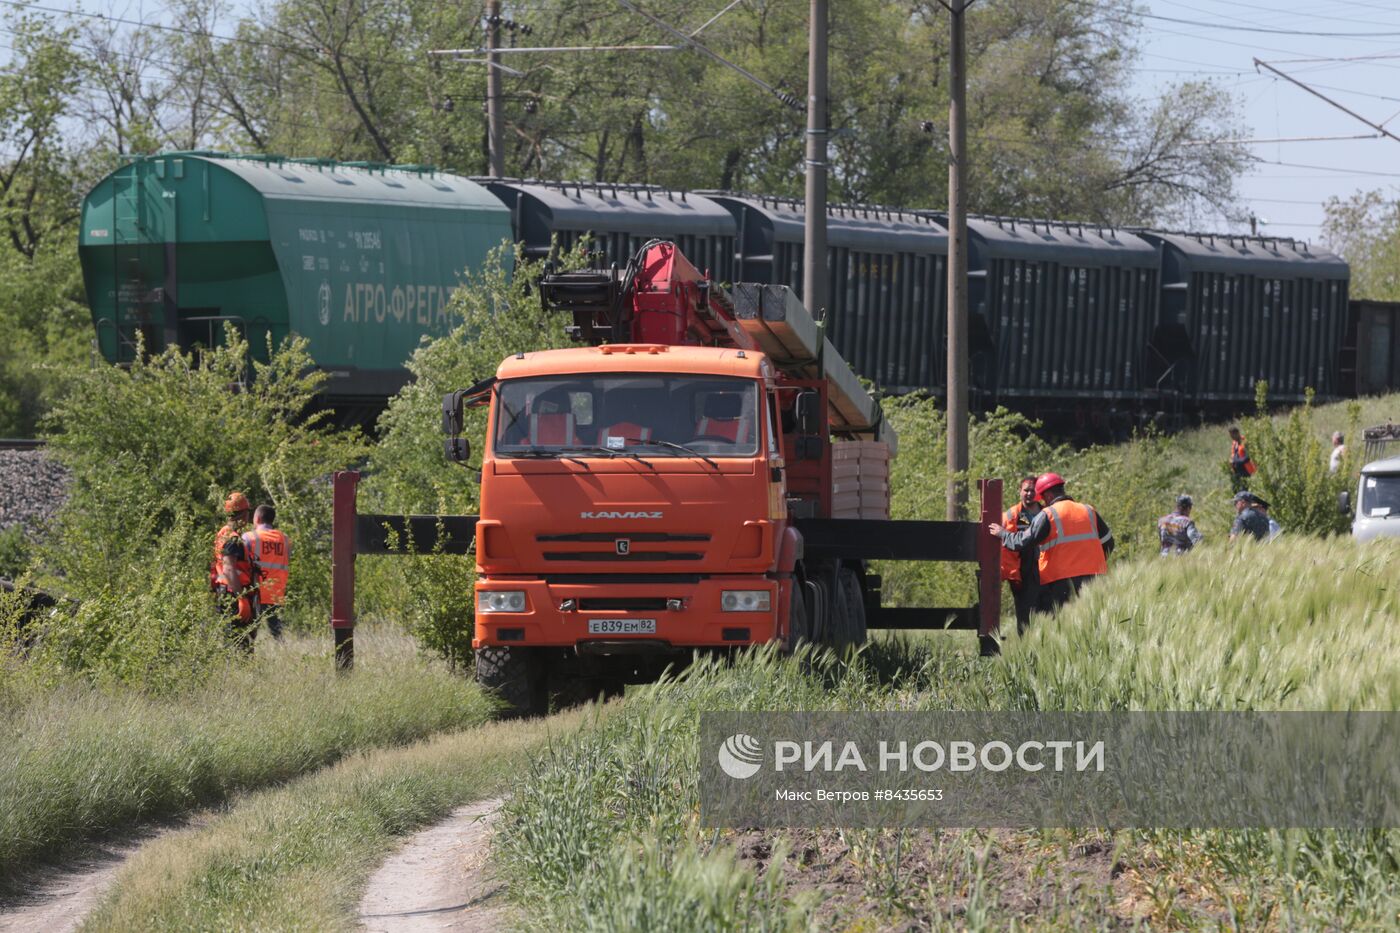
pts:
pixel 21 443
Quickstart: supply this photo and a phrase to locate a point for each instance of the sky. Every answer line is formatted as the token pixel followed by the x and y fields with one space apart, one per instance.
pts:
pixel 1220 40
pixel 1358 65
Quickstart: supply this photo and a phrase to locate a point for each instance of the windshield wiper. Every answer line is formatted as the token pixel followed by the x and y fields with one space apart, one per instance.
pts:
pixel 609 452
pixel 690 451
pixel 540 453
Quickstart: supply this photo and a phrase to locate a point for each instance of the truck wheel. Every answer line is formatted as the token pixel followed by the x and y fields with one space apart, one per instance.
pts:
pixel 850 611
pixel 799 620
pixel 514 675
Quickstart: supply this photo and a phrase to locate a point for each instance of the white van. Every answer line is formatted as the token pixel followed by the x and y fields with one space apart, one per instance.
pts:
pixel 1377 501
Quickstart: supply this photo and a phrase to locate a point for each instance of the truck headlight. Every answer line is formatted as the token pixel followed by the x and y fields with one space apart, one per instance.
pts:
pixel 500 601
pixel 746 601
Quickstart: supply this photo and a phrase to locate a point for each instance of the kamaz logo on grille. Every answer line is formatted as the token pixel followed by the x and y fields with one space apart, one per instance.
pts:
pixel 619 515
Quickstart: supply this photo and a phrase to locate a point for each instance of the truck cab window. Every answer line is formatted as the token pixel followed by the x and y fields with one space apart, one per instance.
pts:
pixel 638 414
pixel 1380 495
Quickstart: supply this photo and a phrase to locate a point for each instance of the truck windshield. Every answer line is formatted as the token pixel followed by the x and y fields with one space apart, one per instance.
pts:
pixel 652 415
pixel 1380 495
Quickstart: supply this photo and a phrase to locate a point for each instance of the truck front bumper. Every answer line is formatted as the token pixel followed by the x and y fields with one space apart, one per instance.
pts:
pixel 675 612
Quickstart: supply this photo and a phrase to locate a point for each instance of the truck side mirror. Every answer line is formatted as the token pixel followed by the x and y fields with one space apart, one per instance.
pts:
pixel 809 413
pixel 458 449
pixel 452 412
pixel 1344 502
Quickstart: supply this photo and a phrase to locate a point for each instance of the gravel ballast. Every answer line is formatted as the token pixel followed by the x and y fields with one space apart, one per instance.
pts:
pixel 32 487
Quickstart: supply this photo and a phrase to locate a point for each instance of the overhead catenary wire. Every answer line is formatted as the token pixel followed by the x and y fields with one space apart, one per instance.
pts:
pixel 1342 107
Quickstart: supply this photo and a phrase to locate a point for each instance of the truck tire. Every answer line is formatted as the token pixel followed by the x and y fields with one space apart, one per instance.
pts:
pixel 850 610
pixel 514 675
pixel 799 619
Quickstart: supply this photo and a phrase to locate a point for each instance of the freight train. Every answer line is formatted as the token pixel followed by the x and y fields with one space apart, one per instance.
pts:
pixel 1090 328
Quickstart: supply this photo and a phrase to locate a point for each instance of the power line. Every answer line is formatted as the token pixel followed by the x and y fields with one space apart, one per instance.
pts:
pixel 1327 168
pixel 1267 29
pixel 1321 96
pixel 1303 12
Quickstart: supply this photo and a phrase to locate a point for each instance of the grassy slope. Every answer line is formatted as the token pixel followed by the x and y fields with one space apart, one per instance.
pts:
pixel 80 762
pixel 296 858
pixel 603 833
pixel 1199 453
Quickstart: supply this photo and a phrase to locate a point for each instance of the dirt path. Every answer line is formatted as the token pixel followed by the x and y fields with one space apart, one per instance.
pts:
pixel 70 892
pixel 438 880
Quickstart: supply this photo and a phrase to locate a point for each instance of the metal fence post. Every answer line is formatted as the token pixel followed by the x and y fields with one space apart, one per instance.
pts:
pixel 989 569
pixel 343 567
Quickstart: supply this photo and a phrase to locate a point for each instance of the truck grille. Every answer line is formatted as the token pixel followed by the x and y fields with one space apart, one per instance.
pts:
pixel 642 557
pixel 610 554
pixel 623 604
pixel 648 537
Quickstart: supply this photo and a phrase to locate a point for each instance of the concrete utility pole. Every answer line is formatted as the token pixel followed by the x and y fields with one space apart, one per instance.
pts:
pixel 814 275
pixel 495 136
pixel 957 263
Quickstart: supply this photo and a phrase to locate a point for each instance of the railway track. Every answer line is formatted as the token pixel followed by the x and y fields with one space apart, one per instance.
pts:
pixel 20 443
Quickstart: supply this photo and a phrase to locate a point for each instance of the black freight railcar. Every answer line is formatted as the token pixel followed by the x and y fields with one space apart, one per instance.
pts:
pixel 888 283
pixel 619 219
pixel 1071 308
pixel 1235 310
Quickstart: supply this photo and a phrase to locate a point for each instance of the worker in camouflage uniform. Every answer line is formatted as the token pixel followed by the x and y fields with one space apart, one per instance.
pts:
pixel 1178 532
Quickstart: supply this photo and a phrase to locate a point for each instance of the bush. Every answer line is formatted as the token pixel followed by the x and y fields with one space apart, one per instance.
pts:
pixel 152 450
pixel 15 552
pixel 1293 463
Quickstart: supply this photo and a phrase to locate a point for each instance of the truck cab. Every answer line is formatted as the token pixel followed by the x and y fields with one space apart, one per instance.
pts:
pixel 635 508
pixel 632 499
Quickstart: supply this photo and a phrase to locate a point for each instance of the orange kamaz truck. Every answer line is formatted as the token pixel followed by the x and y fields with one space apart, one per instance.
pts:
pixel 703 472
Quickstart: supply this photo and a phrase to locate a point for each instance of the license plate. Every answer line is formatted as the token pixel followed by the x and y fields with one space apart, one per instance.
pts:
pixel 622 626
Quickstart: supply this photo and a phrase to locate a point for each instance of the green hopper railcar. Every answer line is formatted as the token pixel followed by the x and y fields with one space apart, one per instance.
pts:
pixel 358 258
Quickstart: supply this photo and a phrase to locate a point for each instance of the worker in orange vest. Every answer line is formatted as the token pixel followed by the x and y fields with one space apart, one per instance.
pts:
pixel 270 552
pixel 237 509
pixel 1074 542
pixel 235 584
pixel 1021 569
pixel 1241 465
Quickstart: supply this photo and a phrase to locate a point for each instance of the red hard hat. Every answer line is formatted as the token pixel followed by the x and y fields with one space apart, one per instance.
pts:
pixel 235 503
pixel 1048 481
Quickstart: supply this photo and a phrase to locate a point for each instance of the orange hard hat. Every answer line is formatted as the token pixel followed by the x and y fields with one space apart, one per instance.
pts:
pixel 235 503
pixel 1048 481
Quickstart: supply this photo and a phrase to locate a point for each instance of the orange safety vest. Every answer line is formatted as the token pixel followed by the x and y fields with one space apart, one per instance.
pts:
pixel 1238 452
pixel 270 552
pixel 1011 560
pixel 246 601
pixel 216 565
pixel 1073 548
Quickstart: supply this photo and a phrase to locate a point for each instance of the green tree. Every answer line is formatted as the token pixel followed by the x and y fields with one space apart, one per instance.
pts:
pixel 1054 129
pixel 1293 467
pixel 41 312
pixel 1365 230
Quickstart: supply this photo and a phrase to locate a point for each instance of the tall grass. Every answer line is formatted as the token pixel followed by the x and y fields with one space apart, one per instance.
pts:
pixel 1300 623
pixel 603 832
pixel 295 857
pixel 81 761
